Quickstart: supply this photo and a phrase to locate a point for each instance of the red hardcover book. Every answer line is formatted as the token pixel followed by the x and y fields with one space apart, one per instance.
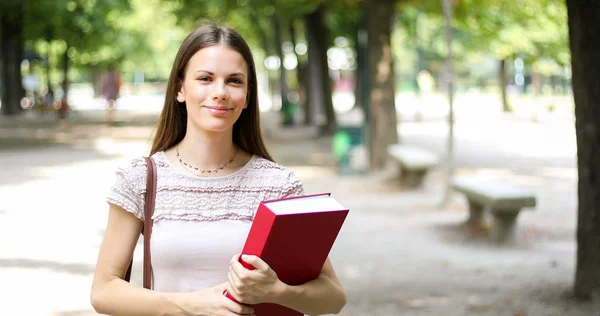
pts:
pixel 294 237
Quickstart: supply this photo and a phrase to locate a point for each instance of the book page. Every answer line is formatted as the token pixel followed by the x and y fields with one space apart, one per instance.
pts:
pixel 321 203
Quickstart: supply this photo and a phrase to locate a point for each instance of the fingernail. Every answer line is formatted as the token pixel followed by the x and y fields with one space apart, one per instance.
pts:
pixel 244 257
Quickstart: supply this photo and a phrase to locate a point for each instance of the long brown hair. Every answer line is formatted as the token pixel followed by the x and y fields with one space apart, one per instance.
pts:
pixel 171 125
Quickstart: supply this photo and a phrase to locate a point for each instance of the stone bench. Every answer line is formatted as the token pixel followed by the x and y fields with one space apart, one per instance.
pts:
pixel 504 202
pixel 413 163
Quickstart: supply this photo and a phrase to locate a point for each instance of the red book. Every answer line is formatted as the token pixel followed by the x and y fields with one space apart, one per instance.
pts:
pixel 294 237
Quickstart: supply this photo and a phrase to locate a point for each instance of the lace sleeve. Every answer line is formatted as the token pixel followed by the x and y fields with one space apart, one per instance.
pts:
pixel 125 190
pixel 293 186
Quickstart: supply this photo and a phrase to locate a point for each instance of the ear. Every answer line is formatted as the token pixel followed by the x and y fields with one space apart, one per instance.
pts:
pixel 180 95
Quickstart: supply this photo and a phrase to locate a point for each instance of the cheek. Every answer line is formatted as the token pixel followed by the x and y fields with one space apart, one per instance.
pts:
pixel 243 99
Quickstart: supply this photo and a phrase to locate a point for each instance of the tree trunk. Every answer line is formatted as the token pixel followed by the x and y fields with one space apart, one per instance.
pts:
pixel 11 55
pixel 319 88
pixel 382 130
pixel 304 92
pixel 360 74
pixel 96 82
pixel 283 87
pixel 264 40
pixel 447 5
pixel 584 25
pixel 64 107
pixel 420 66
pixel 300 70
pixel 536 83
pixel 48 74
pixel 49 36
pixel 503 83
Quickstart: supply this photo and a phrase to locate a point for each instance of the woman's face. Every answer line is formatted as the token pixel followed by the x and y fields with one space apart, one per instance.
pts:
pixel 214 88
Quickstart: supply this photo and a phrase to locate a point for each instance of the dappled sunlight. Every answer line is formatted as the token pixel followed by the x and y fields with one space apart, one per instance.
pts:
pixel 513 137
pixel 121 148
pixel 48 290
pixel 560 173
pixel 312 172
pixel 404 248
pixel 501 175
pixel 478 105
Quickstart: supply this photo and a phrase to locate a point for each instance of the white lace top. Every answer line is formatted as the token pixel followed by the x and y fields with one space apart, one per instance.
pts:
pixel 199 222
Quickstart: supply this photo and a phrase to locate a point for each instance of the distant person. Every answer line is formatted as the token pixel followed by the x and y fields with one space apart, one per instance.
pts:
pixel 213 170
pixel 111 85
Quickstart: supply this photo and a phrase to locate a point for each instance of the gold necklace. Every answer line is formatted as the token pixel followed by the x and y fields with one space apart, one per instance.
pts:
pixel 203 171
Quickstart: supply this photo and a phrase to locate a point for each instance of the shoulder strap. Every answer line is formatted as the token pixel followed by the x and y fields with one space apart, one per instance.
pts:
pixel 150 199
pixel 148 211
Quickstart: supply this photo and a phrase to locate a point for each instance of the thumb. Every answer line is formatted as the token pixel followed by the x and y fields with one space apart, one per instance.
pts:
pixel 256 262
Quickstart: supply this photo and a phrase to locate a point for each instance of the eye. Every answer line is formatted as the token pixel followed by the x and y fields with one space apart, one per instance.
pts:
pixel 236 81
pixel 206 79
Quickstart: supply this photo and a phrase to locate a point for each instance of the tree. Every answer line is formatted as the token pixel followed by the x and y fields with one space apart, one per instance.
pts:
pixel 584 25
pixel 77 28
pixel 83 26
pixel 319 85
pixel 381 114
pixel 447 8
pixel 262 23
pixel 533 30
pixel 11 55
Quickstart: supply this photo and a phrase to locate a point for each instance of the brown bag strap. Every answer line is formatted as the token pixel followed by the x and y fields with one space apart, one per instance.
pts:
pixel 148 211
pixel 149 202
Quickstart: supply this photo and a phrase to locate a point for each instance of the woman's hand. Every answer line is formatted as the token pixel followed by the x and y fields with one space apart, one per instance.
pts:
pixel 211 302
pixel 253 286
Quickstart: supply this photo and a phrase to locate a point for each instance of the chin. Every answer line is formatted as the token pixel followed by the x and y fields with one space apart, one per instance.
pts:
pixel 212 127
pixel 213 124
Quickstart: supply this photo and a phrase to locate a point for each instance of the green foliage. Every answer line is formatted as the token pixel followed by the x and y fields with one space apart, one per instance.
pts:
pixel 144 35
pixel 535 28
pixel 88 29
pixel 502 29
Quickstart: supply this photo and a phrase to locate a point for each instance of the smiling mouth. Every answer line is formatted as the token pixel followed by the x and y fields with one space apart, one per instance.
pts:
pixel 218 108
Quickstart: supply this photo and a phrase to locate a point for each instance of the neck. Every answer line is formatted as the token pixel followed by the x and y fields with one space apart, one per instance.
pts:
pixel 206 151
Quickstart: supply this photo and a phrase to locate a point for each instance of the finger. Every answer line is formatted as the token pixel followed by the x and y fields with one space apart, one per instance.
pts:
pixel 256 262
pixel 238 306
pixel 235 259
pixel 233 280
pixel 239 309
pixel 233 293
pixel 240 271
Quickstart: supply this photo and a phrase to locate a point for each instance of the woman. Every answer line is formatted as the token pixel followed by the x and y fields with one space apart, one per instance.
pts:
pixel 213 171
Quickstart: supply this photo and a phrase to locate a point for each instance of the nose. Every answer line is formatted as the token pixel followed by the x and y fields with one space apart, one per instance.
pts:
pixel 220 92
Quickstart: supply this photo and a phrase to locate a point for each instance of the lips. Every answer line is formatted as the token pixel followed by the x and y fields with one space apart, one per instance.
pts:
pixel 218 110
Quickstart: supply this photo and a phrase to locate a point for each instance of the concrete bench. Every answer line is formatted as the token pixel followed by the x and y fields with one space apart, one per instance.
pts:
pixel 504 202
pixel 413 163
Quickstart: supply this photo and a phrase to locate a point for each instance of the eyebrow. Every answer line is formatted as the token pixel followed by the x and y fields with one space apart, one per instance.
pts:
pixel 241 74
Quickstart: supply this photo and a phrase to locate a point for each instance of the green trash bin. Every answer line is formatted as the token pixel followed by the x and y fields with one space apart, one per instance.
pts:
pixel 349 149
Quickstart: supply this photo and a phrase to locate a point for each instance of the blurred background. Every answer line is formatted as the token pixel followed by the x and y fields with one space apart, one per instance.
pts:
pixel 436 122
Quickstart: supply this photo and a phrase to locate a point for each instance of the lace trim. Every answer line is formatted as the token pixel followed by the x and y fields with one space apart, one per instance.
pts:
pixel 185 197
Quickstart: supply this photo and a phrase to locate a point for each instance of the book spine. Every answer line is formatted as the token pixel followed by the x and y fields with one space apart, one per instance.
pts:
pixel 259 233
pixel 257 238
